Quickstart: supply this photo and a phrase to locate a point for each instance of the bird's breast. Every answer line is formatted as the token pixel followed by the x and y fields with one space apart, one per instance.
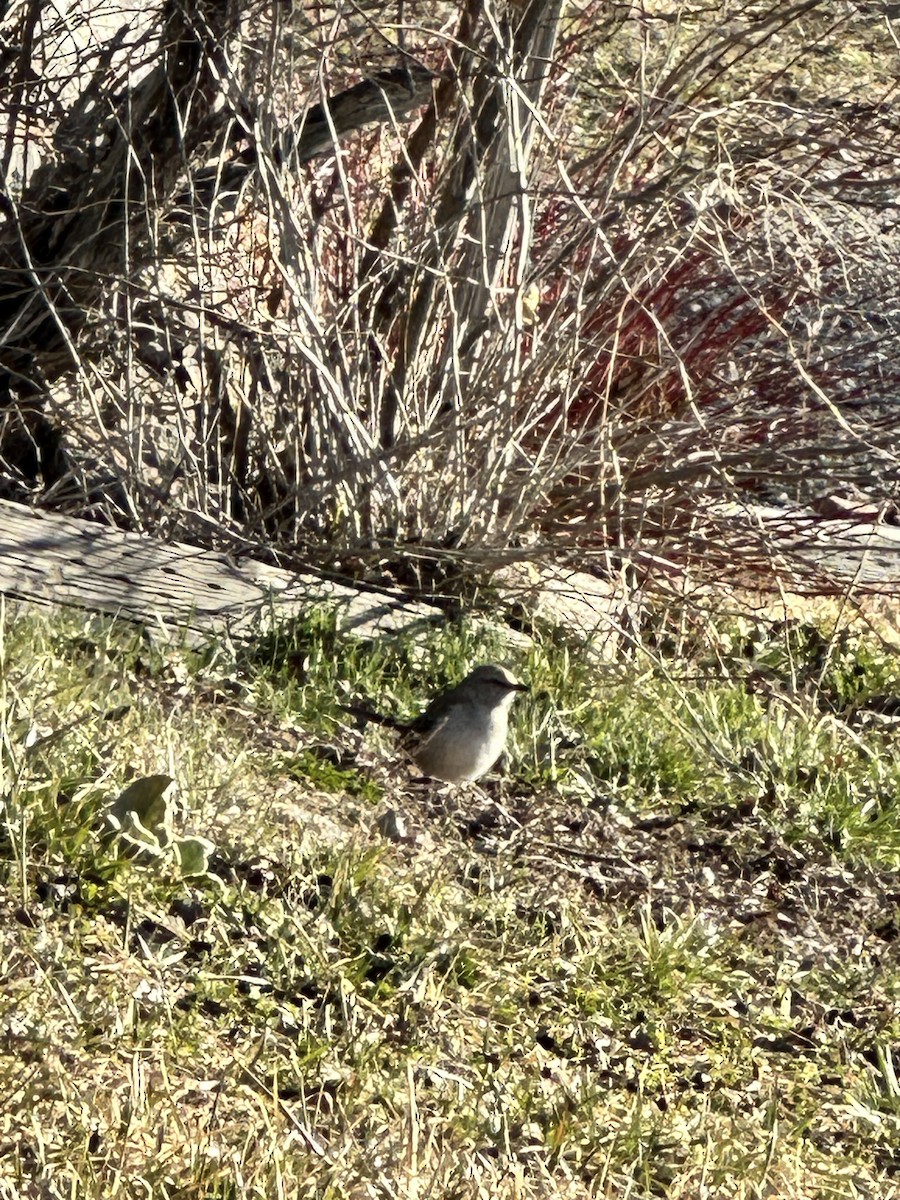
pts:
pixel 463 745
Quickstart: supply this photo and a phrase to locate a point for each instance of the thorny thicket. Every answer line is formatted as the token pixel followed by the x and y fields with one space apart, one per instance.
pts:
pixel 611 272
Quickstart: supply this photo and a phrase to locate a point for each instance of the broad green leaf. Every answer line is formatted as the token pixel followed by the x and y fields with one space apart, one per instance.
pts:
pixel 141 811
pixel 192 855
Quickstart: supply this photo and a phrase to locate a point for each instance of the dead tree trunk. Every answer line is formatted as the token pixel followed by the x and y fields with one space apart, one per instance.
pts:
pixel 86 220
pixel 82 221
pixel 482 225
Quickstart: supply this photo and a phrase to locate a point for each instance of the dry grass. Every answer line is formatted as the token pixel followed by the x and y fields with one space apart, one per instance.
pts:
pixel 658 960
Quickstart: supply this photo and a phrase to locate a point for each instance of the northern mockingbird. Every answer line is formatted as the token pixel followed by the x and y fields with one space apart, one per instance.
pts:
pixel 462 732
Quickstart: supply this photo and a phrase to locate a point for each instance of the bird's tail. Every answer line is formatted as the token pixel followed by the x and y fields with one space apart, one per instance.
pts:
pixel 366 715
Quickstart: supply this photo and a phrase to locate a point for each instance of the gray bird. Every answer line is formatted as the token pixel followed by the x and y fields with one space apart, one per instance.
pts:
pixel 462 732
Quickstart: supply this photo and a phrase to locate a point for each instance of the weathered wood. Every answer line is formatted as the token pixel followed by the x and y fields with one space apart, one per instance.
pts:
pixel 79 221
pixel 193 593
pixel 83 219
pixel 48 558
pixel 388 96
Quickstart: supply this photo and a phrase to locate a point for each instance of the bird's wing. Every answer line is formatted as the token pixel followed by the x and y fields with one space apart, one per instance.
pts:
pixel 433 718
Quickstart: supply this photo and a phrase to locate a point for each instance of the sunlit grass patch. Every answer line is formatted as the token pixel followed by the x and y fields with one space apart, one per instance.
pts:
pixel 665 964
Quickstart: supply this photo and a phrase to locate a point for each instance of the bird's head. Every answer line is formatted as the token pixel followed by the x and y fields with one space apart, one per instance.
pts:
pixel 493 684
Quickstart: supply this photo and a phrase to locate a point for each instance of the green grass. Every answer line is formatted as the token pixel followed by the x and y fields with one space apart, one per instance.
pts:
pixel 659 961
